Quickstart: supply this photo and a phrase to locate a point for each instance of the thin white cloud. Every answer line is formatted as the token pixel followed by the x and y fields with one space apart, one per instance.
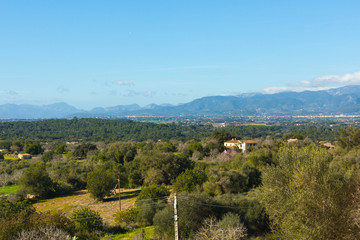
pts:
pixel 123 83
pixel 144 94
pixel 148 93
pixel 319 83
pixel 12 92
pixel 62 89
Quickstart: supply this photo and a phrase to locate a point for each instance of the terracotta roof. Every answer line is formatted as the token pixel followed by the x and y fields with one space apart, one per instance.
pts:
pixel 232 141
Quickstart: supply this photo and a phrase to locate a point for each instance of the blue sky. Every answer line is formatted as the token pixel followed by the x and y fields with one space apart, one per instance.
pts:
pixel 106 53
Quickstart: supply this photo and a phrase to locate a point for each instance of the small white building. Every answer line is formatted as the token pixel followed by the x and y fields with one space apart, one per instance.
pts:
pixel 24 156
pixel 232 143
pixel 241 144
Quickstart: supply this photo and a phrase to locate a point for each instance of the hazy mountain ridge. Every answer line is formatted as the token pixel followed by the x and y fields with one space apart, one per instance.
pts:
pixel 333 101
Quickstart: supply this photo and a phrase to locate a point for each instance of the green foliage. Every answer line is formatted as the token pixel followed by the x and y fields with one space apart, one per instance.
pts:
pixel 195 146
pixel 9 209
pixel 221 135
pixel 21 216
pixel 127 217
pixel 252 176
pixel 5 145
pixel 298 136
pixel 166 147
pixel 13 217
pixel 36 181
pixel 119 152
pixel 47 156
pixel 9 189
pixel 2 156
pixel 260 157
pixel 349 138
pixel 34 148
pixel 99 183
pixel 251 212
pixel 82 150
pixel 306 198
pixel 189 180
pixel 92 129
pixel 73 173
pixel 158 167
pixel 220 182
pixel 193 209
pixel 60 148
pixel 87 219
pixel 149 200
pixel 17 146
pixel 147 209
pixel 153 191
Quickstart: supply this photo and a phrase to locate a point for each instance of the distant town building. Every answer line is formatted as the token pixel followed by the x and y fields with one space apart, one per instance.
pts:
pixel 291 140
pixel 241 144
pixel 328 145
pixel 24 156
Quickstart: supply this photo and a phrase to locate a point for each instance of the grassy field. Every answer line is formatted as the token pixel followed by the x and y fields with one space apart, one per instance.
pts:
pixel 9 189
pixel 148 232
pixel 79 199
pixel 8 157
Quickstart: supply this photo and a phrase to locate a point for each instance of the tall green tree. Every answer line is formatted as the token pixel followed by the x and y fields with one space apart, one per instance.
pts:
pixel 34 148
pixel 37 181
pixel 349 138
pixel 99 183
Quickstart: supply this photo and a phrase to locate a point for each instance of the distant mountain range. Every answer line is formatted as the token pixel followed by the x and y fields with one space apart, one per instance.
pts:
pixel 344 100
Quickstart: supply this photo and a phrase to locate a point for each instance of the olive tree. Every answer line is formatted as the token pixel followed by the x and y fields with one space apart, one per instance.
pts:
pixel 99 183
pixel 306 198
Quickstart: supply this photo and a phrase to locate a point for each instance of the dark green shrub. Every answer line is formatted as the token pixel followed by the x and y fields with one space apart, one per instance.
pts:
pixel 34 148
pixel 223 181
pixel 36 181
pixel 16 217
pixel 82 150
pixel 146 211
pixel 47 156
pixel 126 217
pixel 99 183
pixel 87 219
pixel 189 180
pixel 153 192
pixel 60 149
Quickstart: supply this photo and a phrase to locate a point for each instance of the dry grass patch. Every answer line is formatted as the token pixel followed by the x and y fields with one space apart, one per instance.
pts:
pixel 82 198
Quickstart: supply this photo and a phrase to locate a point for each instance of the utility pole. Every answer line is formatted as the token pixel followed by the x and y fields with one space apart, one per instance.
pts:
pixel 176 218
pixel 119 192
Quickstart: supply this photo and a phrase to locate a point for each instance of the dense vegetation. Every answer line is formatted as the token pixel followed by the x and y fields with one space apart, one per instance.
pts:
pixel 88 129
pixel 275 190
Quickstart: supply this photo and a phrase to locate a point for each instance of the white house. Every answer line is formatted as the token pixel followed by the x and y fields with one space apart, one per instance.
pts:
pixel 24 156
pixel 241 144
pixel 232 143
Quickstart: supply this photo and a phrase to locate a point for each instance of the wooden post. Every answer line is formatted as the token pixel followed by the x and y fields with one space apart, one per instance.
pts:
pixel 119 193
pixel 176 218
